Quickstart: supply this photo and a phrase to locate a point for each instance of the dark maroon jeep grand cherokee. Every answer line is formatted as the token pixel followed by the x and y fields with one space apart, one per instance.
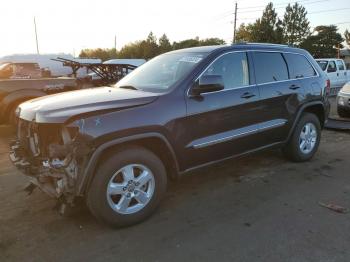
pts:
pixel 117 146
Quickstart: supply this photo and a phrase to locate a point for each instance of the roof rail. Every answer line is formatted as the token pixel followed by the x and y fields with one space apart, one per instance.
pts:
pixel 263 44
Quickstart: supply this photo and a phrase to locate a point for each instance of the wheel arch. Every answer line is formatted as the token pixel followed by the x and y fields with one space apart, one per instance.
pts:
pixel 18 97
pixel 316 108
pixel 155 142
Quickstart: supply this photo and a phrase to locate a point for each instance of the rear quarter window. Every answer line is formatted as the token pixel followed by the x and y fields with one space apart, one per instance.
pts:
pixel 340 65
pixel 299 66
pixel 270 67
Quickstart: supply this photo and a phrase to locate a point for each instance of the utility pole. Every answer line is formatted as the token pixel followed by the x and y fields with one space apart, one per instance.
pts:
pixel 234 24
pixel 115 42
pixel 36 37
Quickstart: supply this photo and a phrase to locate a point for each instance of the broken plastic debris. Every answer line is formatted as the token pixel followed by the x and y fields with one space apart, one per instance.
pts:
pixel 335 208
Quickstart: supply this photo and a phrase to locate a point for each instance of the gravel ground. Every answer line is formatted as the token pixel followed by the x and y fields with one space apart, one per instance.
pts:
pixel 257 208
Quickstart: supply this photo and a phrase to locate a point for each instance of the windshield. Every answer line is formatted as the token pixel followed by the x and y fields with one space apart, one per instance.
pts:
pixel 323 64
pixel 160 73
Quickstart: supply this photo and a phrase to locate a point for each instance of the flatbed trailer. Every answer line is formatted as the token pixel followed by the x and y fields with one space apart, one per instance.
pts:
pixel 108 73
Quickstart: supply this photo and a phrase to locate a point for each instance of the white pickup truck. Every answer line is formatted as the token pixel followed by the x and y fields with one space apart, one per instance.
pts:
pixel 336 71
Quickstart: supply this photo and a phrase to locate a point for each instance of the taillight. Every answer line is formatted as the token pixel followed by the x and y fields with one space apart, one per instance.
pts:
pixel 328 87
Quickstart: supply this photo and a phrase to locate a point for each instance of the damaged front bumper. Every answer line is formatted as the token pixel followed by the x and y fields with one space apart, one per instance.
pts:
pixel 53 156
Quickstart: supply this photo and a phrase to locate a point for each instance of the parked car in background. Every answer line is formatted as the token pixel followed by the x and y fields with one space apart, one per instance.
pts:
pixel 22 71
pixel 23 81
pixel 343 101
pixel 46 61
pixel 183 110
pixel 336 71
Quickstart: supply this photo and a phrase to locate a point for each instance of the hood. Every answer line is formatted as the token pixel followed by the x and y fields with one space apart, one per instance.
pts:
pixel 59 108
pixel 346 89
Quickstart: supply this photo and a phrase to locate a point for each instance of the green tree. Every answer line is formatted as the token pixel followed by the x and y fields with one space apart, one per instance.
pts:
pixel 131 50
pixel 103 54
pixel 164 44
pixel 324 42
pixel 296 26
pixel 193 42
pixel 347 37
pixel 269 26
pixel 267 29
pixel 186 43
pixel 211 41
pixel 150 46
pixel 245 33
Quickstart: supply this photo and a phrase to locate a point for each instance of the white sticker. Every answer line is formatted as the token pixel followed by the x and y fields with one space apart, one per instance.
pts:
pixel 191 59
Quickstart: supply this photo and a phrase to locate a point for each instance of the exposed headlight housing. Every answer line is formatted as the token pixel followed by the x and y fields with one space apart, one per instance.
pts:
pixel 18 111
pixel 341 101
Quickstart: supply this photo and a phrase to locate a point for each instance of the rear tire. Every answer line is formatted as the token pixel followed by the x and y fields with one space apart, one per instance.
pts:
pixel 124 207
pixel 305 139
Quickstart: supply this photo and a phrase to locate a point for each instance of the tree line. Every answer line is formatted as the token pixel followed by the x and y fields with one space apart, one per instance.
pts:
pixel 293 29
pixel 148 48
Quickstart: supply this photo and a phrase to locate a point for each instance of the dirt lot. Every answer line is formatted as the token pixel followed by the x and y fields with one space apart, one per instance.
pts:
pixel 258 208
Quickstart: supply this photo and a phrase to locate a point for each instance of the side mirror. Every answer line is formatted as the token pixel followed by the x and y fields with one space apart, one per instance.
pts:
pixel 207 84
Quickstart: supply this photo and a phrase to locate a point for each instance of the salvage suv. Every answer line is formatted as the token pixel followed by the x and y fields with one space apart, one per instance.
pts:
pixel 118 146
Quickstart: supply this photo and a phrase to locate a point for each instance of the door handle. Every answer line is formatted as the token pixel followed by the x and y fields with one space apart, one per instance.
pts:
pixel 247 95
pixel 294 87
pixel 337 74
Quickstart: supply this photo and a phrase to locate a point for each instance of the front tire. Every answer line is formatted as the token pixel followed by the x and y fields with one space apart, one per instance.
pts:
pixel 305 139
pixel 127 187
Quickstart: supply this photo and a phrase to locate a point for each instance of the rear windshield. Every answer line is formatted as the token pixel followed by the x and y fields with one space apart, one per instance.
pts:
pixel 323 64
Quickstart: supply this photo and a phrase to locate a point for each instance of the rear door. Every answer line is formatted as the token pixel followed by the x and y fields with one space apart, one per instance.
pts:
pixel 300 68
pixel 221 124
pixel 280 95
pixel 333 74
pixel 342 74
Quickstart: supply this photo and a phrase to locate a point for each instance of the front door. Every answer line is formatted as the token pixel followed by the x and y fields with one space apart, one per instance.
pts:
pixel 221 124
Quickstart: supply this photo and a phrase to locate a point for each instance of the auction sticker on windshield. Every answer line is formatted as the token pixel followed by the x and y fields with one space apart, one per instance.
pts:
pixel 191 59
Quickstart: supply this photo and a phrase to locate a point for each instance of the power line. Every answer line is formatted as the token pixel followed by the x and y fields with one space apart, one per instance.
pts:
pixel 278 4
pixel 311 13
pixel 229 13
pixel 283 7
pixel 324 11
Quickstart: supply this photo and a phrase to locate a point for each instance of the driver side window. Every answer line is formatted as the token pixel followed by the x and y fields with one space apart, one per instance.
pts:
pixel 233 68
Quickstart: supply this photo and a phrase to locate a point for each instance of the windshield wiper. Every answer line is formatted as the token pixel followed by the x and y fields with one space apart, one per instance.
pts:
pixel 128 87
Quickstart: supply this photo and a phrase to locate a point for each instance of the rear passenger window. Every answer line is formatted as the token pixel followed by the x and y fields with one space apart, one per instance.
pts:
pixel 331 67
pixel 233 68
pixel 270 67
pixel 340 65
pixel 299 66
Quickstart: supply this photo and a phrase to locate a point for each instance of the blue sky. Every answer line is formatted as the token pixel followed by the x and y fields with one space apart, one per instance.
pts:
pixel 70 25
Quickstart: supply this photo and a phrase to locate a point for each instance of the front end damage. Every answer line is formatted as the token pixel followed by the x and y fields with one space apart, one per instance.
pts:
pixel 53 156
